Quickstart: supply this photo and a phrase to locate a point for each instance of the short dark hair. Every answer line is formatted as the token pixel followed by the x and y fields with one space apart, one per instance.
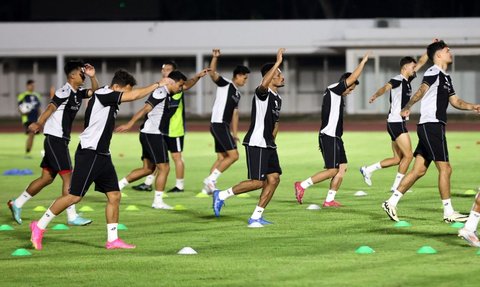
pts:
pixel 30 81
pixel 240 70
pixel 266 67
pixel 177 76
pixel 434 47
pixel 171 63
pixel 123 79
pixel 406 60
pixel 345 76
pixel 72 65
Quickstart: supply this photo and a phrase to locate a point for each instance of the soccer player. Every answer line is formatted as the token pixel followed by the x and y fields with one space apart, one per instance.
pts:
pixel 469 231
pixel 224 113
pixel 400 92
pixel 436 92
pixel 330 137
pixel 29 107
pixel 153 137
pixel 93 162
pixel 262 159
pixel 56 122
pixel 176 133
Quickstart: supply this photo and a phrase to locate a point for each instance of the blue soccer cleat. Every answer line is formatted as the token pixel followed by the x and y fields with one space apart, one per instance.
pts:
pixel 79 221
pixel 260 221
pixel 16 211
pixel 217 203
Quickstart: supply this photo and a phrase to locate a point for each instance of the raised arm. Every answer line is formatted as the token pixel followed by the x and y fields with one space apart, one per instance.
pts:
pixel 387 87
pixel 38 125
pixel 191 82
pixel 138 115
pixel 90 72
pixel 269 75
pixel 423 59
pixel 356 73
pixel 139 93
pixel 405 112
pixel 460 104
pixel 213 65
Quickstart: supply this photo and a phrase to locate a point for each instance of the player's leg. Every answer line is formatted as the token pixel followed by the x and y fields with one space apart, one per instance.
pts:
pixel 179 171
pixel 403 147
pixel 147 168
pixel 160 182
pixel 469 231
pixel 335 186
pixel 29 143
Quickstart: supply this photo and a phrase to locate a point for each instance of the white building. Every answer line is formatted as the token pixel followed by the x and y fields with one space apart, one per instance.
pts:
pixel 318 52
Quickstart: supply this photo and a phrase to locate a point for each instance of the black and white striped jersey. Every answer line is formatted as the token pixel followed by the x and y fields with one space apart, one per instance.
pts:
pixel 157 120
pixel 226 101
pixel 399 96
pixel 332 110
pixel 434 104
pixel 100 120
pixel 68 102
pixel 266 106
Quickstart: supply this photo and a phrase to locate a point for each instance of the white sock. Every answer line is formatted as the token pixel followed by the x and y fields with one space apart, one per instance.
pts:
pixel 112 232
pixel 45 220
pixel 472 222
pixel 258 212
pixel 158 197
pixel 122 183
pixel 447 207
pixel 226 194
pixel 373 167
pixel 179 183
pixel 22 199
pixel 149 179
pixel 306 183
pixel 397 181
pixel 214 175
pixel 330 195
pixel 395 198
pixel 71 212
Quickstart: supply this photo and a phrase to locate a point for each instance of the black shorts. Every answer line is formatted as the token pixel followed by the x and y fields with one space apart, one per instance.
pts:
pixel 57 156
pixel 333 151
pixel 25 125
pixel 224 140
pixel 261 162
pixel 154 148
pixel 92 167
pixel 174 144
pixel 396 129
pixel 432 143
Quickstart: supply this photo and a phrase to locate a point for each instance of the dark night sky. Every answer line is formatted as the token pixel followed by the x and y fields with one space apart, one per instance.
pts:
pixel 187 10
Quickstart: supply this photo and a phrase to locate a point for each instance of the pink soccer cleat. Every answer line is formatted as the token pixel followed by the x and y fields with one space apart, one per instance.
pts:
pixel 37 235
pixel 299 191
pixel 332 203
pixel 118 244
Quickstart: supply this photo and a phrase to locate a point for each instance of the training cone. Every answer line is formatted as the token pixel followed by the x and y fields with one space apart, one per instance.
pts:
pixel 124 194
pixel 40 208
pixel 243 195
pixel 60 227
pixel 457 225
pixel 470 192
pixel 402 224
pixel 21 252
pixel 121 226
pixel 187 251
pixel 426 250
pixel 85 208
pixel 313 207
pixel 201 195
pixel 132 208
pixel 360 193
pixel 179 207
pixel 364 250
pixel 5 227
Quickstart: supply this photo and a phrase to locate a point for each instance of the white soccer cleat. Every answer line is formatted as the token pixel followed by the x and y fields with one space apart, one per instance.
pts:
pixel 209 186
pixel 455 217
pixel 366 176
pixel 391 211
pixel 161 205
pixel 469 236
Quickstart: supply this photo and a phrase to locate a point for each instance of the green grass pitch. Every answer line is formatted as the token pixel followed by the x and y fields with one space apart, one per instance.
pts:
pixel 303 247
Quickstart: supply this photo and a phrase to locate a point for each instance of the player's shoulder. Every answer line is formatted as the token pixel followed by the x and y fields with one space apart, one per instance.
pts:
pixel 432 71
pixel 64 92
pixel 104 90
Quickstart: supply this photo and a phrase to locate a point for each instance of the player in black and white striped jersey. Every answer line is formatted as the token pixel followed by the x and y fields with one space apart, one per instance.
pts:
pixel 93 162
pixel 224 120
pixel 330 137
pixel 400 93
pixel 436 92
pixel 262 159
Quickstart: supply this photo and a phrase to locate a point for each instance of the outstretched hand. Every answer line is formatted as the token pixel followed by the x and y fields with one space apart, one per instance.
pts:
pixel 216 52
pixel 89 70
pixel 35 127
pixel 280 54
pixel 123 128
pixel 372 99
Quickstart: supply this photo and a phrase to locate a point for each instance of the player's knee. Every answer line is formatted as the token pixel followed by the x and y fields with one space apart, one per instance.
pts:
pixel 74 199
pixel 274 180
pixel 234 156
pixel 114 197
